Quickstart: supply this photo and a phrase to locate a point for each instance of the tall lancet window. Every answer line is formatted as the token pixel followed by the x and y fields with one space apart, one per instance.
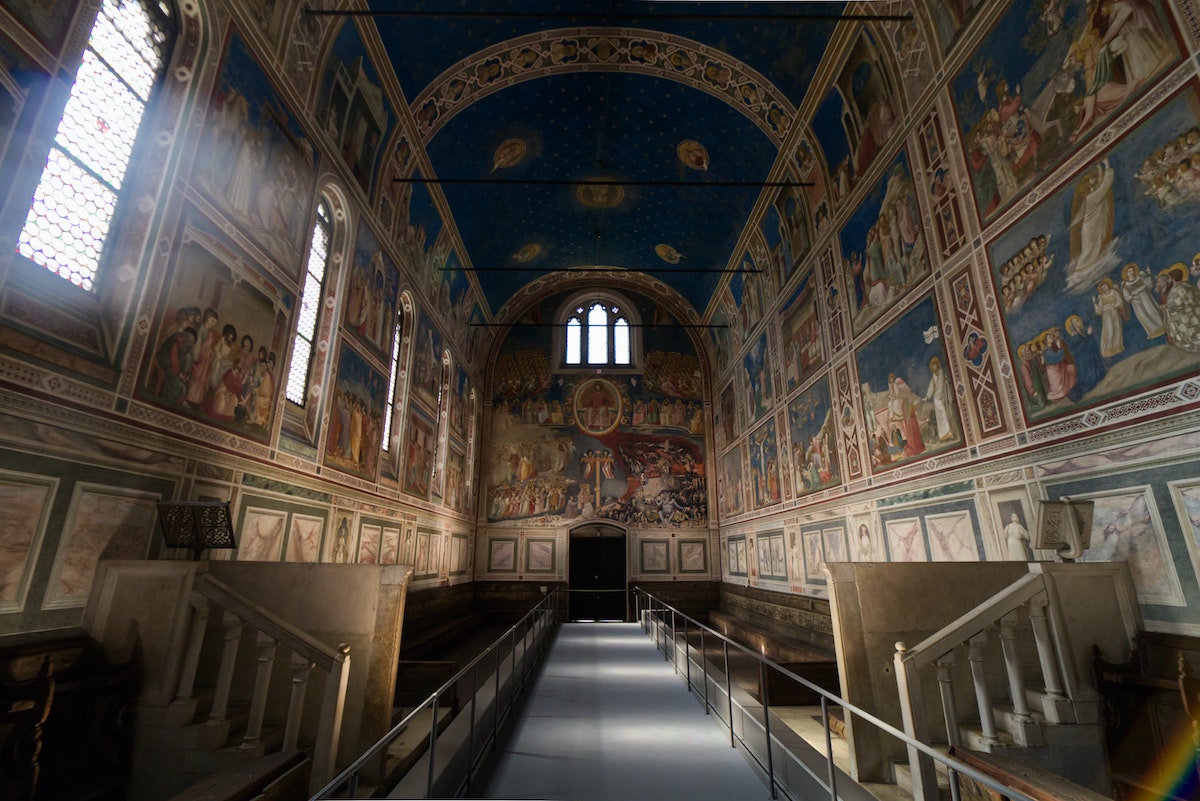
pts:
pixel 75 200
pixel 311 298
pixel 597 335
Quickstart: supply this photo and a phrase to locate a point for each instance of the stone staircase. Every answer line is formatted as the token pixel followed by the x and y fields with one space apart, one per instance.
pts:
pixel 1031 780
pixel 225 693
pixel 1018 668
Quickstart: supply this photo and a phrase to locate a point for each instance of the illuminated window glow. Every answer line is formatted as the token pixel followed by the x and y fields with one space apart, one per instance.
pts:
pixel 389 410
pixel 310 307
pixel 76 198
pixel 603 332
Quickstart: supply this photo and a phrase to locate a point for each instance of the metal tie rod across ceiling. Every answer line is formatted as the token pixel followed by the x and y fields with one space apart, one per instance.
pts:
pixel 647 271
pixel 564 325
pixel 602 182
pixel 593 16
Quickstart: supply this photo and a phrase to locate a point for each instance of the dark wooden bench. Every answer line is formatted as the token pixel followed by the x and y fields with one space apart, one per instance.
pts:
pixel 1037 783
pixel 811 664
pixel 65 721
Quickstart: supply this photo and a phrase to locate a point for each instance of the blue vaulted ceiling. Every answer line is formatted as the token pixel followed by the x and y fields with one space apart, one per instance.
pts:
pixel 617 92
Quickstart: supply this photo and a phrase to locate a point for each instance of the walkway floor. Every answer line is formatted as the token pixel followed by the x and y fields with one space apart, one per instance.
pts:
pixel 607 719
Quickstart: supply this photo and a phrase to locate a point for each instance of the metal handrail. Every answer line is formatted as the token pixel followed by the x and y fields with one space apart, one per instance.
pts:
pixel 349 776
pixel 324 656
pixel 953 766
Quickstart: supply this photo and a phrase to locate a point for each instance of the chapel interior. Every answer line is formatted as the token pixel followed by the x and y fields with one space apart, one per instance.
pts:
pixel 865 333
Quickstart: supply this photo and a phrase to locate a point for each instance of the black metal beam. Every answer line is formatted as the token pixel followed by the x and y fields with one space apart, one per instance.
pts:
pixel 615 19
pixel 564 325
pixel 601 182
pixel 648 271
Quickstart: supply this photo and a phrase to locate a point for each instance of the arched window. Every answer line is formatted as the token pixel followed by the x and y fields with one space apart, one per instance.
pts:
pixel 389 411
pixel 598 331
pixel 471 417
pixel 76 198
pixel 443 425
pixel 311 298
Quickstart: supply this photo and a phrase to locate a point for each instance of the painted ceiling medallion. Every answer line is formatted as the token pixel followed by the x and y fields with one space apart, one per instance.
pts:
pixel 693 154
pixel 527 253
pixel 600 196
pixel 668 254
pixel 510 153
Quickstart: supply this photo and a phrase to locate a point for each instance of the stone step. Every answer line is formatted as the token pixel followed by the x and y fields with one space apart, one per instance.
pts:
pixel 902 776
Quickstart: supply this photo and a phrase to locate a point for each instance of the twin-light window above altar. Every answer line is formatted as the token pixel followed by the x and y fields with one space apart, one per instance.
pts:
pixel 598 332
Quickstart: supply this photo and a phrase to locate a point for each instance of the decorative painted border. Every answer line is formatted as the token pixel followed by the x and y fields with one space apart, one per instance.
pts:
pixel 572 50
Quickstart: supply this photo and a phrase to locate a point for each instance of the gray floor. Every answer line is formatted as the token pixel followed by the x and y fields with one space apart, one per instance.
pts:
pixel 607 719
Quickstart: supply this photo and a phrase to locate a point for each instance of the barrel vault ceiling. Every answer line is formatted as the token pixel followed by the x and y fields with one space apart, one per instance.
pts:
pixel 602 133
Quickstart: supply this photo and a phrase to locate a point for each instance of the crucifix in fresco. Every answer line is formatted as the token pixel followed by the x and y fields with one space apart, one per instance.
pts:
pixel 598 464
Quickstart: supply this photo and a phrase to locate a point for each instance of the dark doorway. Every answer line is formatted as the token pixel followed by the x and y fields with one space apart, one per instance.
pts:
pixel 597 565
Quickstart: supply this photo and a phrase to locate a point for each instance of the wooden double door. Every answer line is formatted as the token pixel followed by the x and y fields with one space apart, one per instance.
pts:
pixel 598 574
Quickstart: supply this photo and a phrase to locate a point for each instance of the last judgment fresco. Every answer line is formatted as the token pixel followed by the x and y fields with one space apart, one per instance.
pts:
pixel 625 448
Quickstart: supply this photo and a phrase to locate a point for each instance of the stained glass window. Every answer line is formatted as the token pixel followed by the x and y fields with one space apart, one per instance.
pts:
pixel 76 198
pixel 310 306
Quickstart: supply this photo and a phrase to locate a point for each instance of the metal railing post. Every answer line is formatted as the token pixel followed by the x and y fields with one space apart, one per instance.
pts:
pixel 512 670
pixel 654 611
pixel 658 635
pixel 762 680
pixel 471 735
pixel 829 748
pixel 674 646
pixel 729 695
pixel 687 659
pixel 433 714
pixel 496 701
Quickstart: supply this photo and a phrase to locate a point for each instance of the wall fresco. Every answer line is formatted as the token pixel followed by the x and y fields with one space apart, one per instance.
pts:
pixel 356 415
pixel 369 313
pixel 353 111
pixel 786 229
pixel 609 448
pixel 254 161
pixel 20 82
pixel 908 403
pixel 884 252
pixel 47 19
pixel 1047 76
pixel 1096 284
pixel 858 116
pixel 764 465
pixel 812 438
pixel 727 418
pixel 429 346
pixel 803 345
pixel 951 16
pixel 216 338
pixel 420 453
pixel 733 490
pixel 757 383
